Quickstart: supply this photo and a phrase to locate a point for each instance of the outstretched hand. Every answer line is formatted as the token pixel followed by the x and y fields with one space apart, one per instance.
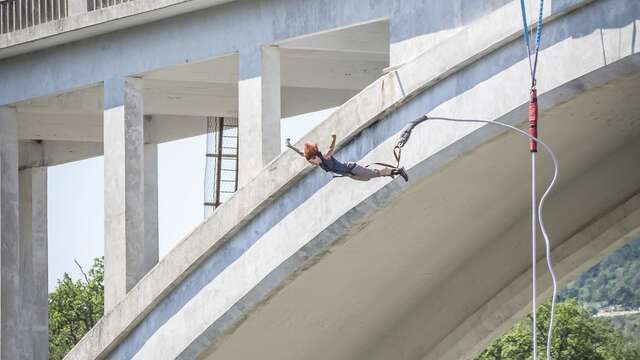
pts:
pixel 332 147
pixel 287 143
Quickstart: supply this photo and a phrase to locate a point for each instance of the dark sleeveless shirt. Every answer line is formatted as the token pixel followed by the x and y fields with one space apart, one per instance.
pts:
pixel 336 166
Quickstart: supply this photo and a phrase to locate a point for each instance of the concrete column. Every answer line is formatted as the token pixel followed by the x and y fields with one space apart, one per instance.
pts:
pixel 77 7
pixel 259 110
pixel 123 188
pixel 34 317
pixel 9 237
pixel 150 206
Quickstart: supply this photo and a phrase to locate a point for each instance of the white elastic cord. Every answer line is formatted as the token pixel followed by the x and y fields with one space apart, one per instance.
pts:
pixel 548 249
pixel 540 209
pixel 534 260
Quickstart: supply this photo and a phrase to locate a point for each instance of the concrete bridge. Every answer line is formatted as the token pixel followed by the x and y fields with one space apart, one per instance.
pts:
pixel 297 265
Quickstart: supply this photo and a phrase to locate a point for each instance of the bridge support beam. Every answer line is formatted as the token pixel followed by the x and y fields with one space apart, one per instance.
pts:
pixel 124 171
pixel 9 237
pixel 34 318
pixel 259 110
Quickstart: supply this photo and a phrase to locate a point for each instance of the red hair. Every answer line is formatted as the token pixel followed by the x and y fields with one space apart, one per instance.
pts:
pixel 311 151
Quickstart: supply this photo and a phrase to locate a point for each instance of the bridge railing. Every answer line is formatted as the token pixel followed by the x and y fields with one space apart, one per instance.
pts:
pixel 21 14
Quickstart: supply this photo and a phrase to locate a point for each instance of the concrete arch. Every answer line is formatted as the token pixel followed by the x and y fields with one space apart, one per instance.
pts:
pixel 287 271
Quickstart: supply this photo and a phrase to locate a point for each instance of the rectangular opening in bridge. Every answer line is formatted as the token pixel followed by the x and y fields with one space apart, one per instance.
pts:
pixel 60 151
pixel 321 71
pixel 186 106
pixel 221 169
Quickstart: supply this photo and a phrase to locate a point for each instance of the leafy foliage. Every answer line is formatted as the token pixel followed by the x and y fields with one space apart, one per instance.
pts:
pixel 577 336
pixel 615 281
pixel 74 308
pixel 629 325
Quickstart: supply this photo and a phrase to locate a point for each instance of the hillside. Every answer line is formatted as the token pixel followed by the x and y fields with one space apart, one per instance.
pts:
pixel 614 282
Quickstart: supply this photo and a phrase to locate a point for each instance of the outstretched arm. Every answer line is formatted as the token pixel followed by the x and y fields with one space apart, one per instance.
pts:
pixel 332 147
pixel 288 144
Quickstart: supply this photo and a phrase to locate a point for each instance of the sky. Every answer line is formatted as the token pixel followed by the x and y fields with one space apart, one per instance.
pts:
pixel 76 199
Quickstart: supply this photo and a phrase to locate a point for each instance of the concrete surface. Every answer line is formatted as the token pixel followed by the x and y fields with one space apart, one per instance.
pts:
pixel 378 295
pixel 251 255
pixel 296 265
pixel 10 299
pixel 124 189
pixel 259 114
pixel 327 60
pixel 34 316
pixel 151 235
pixel 81 25
pixel 225 29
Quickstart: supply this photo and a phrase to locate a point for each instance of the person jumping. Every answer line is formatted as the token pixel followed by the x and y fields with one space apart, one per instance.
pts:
pixel 329 163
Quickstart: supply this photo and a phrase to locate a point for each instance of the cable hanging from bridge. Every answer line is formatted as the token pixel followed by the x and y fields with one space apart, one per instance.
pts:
pixel 533 132
pixel 532 135
pixel 404 138
pixel 533 64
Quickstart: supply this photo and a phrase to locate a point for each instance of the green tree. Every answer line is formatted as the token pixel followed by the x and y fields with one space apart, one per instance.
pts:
pixel 577 336
pixel 615 281
pixel 74 308
pixel 629 325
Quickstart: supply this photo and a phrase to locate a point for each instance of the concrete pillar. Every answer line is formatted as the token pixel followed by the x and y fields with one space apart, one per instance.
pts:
pixel 34 317
pixel 150 206
pixel 9 237
pixel 77 7
pixel 259 110
pixel 123 188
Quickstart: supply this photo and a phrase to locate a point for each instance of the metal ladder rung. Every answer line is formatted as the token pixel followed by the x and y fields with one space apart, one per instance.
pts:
pixel 222 151
pixel 230 156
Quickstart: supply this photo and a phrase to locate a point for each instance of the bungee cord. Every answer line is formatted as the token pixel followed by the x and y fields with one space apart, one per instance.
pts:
pixel 532 135
pixel 533 117
pixel 533 126
pixel 533 64
pixel 404 138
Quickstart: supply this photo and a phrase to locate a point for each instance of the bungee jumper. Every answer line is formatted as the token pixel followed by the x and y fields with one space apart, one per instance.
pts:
pixel 329 164
pixel 353 170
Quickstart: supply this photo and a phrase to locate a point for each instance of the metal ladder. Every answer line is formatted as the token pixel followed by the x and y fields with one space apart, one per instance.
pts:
pixel 221 170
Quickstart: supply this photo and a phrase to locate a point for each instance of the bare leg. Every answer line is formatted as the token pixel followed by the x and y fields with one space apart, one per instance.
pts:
pixel 385 171
pixel 362 173
pixel 365 174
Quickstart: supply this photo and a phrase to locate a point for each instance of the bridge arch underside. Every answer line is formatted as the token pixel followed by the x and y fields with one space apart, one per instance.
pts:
pixel 438 267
